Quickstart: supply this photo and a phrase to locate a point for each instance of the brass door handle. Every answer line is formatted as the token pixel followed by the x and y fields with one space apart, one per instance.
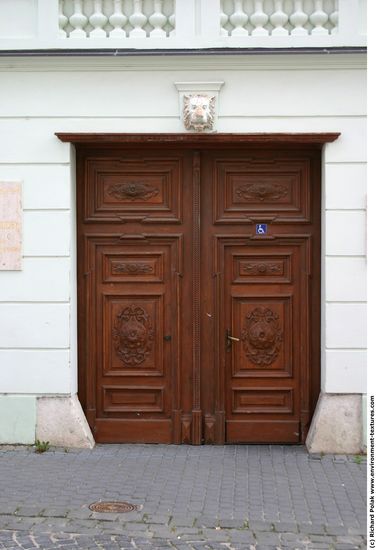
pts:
pixel 230 339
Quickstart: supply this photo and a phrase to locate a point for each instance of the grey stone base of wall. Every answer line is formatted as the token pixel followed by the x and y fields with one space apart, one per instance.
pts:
pixel 61 421
pixel 336 425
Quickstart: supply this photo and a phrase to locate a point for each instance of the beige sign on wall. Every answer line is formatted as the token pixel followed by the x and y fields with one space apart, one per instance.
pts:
pixel 10 225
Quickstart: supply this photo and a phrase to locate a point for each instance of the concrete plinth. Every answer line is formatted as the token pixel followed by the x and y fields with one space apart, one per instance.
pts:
pixel 61 421
pixel 336 425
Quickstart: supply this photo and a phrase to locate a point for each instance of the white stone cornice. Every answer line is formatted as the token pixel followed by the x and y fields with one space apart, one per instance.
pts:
pixel 269 62
pixel 201 86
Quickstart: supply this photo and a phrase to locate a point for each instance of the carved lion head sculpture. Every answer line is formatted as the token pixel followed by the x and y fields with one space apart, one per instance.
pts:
pixel 199 112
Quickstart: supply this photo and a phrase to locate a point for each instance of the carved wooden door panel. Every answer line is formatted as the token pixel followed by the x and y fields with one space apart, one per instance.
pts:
pixel 133 241
pixel 262 309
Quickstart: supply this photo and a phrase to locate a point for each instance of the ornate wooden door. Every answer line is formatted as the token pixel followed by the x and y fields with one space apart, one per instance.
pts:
pixel 264 295
pixel 133 240
pixel 192 326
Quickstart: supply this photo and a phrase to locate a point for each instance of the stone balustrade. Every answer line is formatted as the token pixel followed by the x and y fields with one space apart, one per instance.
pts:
pixel 181 24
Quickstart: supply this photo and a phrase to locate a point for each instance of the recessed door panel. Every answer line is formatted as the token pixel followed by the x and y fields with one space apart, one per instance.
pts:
pixel 138 187
pixel 246 187
pixel 264 329
pixel 133 338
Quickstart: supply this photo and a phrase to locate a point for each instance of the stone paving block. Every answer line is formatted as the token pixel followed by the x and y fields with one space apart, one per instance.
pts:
pixel 321 538
pixel 29 511
pixel 350 539
pixel 312 528
pixel 156 519
pixel 132 516
pixel 104 516
pixel 90 523
pixel 336 530
pixel 55 512
pixel 297 546
pixel 183 521
pixel 243 536
pixel 10 521
pixel 267 538
pixel 232 523
pixel 6 508
pixel 265 547
pixel 357 531
pixel 26 524
pixel 215 534
pixel 285 527
pixel 193 538
pixel 187 530
pixel 294 538
pixel 260 526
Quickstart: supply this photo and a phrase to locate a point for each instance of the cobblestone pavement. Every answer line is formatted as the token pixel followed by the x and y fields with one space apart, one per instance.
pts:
pixel 212 497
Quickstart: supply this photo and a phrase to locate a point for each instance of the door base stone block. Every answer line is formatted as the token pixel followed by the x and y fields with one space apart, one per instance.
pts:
pixel 336 425
pixel 61 421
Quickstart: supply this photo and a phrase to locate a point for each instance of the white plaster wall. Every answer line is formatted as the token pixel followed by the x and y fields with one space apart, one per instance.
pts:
pixel 280 94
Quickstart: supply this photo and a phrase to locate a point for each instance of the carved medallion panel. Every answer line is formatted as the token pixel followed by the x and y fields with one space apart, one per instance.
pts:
pixel 264 331
pixel 244 190
pixel 134 338
pixel 134 190
pixel 261 268
pixel 126 265
pixel 262 336
pixel 133 335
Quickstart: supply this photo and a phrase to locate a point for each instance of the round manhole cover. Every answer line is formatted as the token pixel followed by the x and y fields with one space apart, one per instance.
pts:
pixel 114 507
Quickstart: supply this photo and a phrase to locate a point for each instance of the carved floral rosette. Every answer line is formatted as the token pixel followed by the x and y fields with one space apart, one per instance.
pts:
pixel 263 269
pixel 132 268
pixel 262 336
pixel 262 191
pixel 133 191
pixel 133 335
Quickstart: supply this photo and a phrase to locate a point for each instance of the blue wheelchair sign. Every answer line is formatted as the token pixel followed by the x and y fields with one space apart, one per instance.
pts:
pixel 261 228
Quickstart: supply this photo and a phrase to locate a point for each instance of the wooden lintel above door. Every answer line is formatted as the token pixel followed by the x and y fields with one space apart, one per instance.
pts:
pixel 106 139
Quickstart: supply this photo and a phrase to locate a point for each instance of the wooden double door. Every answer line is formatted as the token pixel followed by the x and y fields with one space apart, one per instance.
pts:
pixel 199 292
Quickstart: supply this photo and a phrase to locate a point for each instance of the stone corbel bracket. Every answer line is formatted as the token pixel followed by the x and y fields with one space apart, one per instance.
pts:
pixel 199 105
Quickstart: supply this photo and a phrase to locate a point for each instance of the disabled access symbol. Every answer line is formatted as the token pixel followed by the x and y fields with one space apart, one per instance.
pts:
pixel 261 228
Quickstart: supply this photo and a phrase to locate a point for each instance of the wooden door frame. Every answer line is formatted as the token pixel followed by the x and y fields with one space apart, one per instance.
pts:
pixel 102 142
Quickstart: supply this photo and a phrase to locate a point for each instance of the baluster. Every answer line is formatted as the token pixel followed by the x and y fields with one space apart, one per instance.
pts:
pixel 259 19
pixel 238 19
pixel 298 19
pixel 78 20
pixel 138 20
pixel 98 21
pixel 223 17
pixel 158 21
pixel 118 20
pixel 333 18
pixel 63 20
pixel 279 19
pixel 318 19
pixel 171 20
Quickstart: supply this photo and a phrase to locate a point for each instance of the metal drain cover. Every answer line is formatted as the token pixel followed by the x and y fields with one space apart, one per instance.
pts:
pixel 114 507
